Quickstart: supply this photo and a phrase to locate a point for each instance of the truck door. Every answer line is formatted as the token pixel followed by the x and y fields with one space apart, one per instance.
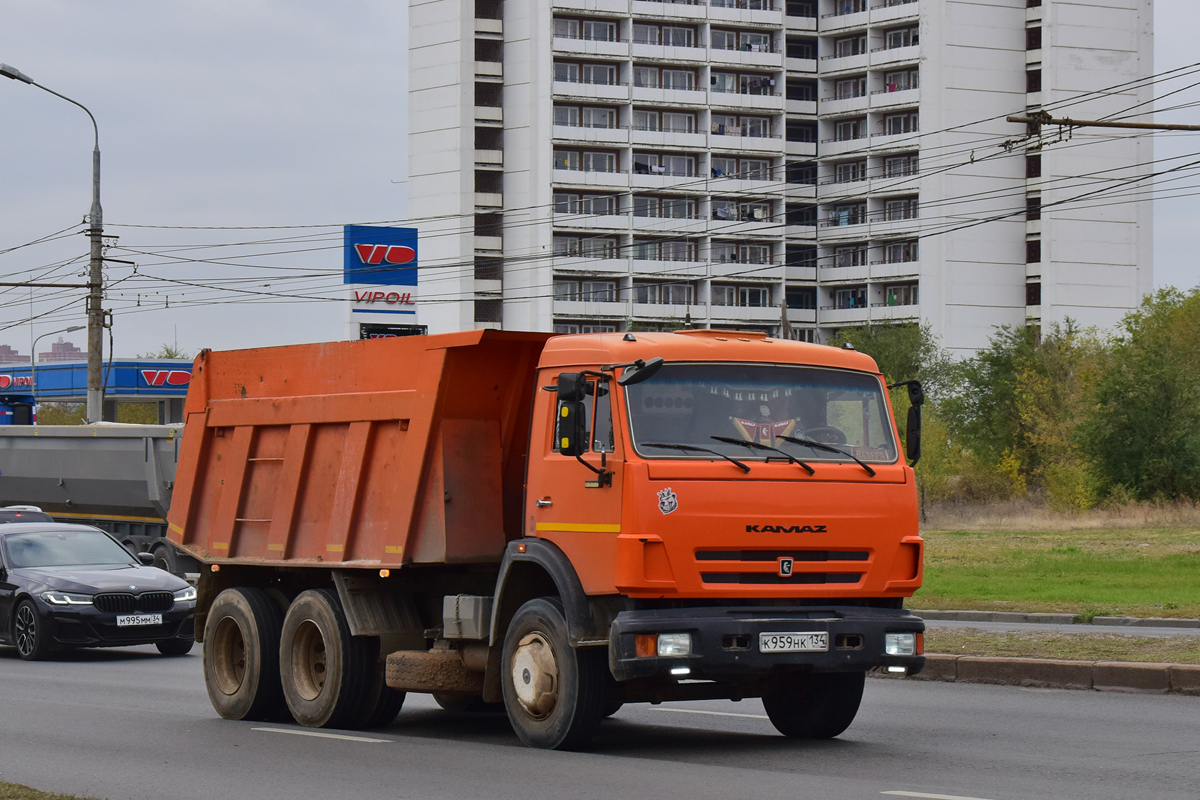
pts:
pixel 568 503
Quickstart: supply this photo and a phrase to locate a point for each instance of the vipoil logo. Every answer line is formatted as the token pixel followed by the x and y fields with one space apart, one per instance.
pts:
pixel 166 377
pixel 384 254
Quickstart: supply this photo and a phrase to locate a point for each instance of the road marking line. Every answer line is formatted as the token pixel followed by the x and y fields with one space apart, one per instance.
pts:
pixel 933 796
pixel 322 735
pixel 711 713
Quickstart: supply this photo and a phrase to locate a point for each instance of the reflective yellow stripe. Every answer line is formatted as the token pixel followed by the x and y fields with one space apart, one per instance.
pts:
pixel 175 528
pixel 575 527
pixel 333 548
pixel 393 548
pixel 220 545
pixel 277 547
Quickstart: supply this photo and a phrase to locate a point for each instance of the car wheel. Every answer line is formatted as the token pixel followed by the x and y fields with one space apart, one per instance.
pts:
pixel 175 647
pixel 241 655
pixel 815 706
pixel 554 693
pixel 325 671
pixel 29 635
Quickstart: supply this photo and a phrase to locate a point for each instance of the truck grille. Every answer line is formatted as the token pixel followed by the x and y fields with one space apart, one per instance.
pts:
pixel 124 603
pixel 799 557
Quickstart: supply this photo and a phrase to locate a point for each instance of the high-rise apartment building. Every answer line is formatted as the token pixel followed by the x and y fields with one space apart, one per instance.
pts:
pixel 594 165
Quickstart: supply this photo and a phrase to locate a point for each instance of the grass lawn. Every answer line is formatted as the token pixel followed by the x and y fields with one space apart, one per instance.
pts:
pixel 1136 572
pixel 14 791
pixel 1074 646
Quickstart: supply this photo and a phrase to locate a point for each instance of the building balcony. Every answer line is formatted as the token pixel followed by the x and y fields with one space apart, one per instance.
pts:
pixel 892 11
pixel 758 229
pixel 845 17
pixel 804 65
pixel 671 97
pixel 883 270
pixel 767 188
pixel 801 233
pixel 665 311
pixel 834 274
pixel 588 308
pixel 662 52
pixel 684 11
pixel 884 312
pixel 489 26
pixel 745 58
pixel 802 315
pixel 664 269
pixel 800 24
pixel 563 45
pixel 489 69
pixel 591 91
pixel 902 140
pixel 836 147
pixel 800 274
pixel 800 149
pixel 489 114
pixel 894 56
pixel 591 222
pixel 640 180
pixel 729 14
pixel 752 144
pixel 670 139
pixel 893 228
pixel 801 107
pixel 855 63
pixel 756 103
pixel 844 316
pixel 845 105
pixel 577 177
pixel 840 191
pixel 491 158
pixel 578 133
pixel 618 7
pixel 685 225
pixel 608 266
pixel 885 100
pixel 489 200
pixel 747 270
pixel 747 313
pixel 491 244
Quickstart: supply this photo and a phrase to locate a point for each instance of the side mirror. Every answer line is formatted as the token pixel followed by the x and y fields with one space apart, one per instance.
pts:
pixel 912 435
pixel 639 371
pixel 570 429
pixel 147 559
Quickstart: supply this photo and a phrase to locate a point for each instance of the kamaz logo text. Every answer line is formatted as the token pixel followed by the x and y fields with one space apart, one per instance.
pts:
pixel 166 377
pixel 785 529
pixel 384 254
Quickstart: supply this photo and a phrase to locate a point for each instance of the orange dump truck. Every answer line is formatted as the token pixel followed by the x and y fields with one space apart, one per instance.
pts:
pixel 559 523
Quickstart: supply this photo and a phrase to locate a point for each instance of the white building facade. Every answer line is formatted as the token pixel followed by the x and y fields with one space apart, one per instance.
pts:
pixel 593 165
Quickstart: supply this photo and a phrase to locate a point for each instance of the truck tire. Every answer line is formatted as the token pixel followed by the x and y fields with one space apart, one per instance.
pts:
pixel 241 655
pixel 815 706
pixel 554 693
pixel 381 703
pixel 325 671
pixel 164 559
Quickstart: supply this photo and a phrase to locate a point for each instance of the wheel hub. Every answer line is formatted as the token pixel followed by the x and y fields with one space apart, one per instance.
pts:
pixel 26 630
pixel 229 655
pixel 535 675
pixel 309 661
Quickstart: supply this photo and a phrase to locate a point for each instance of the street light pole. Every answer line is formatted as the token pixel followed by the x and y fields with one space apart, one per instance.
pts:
pixel 95 314
pixel 33 356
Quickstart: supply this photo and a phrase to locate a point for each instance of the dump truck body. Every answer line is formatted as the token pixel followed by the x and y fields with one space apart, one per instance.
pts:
pixel 521 517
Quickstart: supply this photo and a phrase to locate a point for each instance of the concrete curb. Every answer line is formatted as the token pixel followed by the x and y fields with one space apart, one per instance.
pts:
pixel 1056 619
pixel 1047 673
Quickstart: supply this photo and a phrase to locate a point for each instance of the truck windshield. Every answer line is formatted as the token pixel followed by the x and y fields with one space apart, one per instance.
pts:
pixel 690 404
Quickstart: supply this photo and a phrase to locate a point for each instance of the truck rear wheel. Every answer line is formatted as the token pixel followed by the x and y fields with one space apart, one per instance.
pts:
pixel 381 703
pixel 815 706
pixel 554 693
pixel 241 655
pixel 325 671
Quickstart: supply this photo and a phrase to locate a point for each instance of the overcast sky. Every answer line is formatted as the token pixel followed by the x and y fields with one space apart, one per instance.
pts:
pixel 253 113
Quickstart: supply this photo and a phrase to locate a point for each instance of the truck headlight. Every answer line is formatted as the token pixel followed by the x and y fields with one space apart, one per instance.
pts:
pixel 674 644
pixel 900 644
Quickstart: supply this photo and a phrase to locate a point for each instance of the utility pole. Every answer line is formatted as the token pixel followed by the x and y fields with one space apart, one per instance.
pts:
pixel 95 284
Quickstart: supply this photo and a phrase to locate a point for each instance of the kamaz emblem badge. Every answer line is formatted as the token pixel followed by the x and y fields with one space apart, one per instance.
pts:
pixel 667 501
pixel 785 567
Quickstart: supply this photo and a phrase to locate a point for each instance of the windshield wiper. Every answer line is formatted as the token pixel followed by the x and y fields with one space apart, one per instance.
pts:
pixel 759 446
pixel 730 459
pixel 831 449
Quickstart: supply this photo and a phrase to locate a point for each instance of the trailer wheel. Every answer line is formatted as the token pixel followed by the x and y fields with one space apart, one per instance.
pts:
pixel 325 671
pixel 554 693
pixel 241 655
pixel 164 559
pixel 815 706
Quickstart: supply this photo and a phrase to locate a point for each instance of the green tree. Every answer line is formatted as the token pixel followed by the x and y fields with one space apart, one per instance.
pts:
pixel 169 351
pixel 903 351
pixel 1143 433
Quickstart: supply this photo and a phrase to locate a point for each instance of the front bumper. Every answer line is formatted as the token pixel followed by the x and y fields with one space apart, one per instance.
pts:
pixel 725 640
pixel 87 626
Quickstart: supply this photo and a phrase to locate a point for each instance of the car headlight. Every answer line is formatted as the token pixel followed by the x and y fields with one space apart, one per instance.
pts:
pixel 183 595
pixel 65 599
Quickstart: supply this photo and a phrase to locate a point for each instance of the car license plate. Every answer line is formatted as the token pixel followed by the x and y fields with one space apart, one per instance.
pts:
pixel 793 642
pixel 127 620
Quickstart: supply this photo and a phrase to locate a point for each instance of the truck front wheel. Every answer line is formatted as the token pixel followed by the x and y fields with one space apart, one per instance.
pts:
pixel 554 693
pixel 325 670
pixel 815 706
pixel 241 655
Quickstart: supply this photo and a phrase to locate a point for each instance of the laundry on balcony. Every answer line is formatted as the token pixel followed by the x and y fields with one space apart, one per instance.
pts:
pixel 641 169
pixel 658 169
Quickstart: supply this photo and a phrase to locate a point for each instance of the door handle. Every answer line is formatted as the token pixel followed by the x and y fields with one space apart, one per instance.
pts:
pixel 544 503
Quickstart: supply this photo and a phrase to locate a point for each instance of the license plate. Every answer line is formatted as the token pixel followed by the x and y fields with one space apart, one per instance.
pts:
pixel 793 642
pixel 128 620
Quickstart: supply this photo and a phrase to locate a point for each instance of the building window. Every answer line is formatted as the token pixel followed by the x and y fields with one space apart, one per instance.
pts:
pixel 583 327
pixel 901 294
pixel 902 80
pixel 894 124
pixel 655 250
pixel 798 131
pixel 851 87
pixel 677 122
pixel 570 203
pixel 901 208
pixel 592 30
pixel 744 296
pixel 1033 251
pixel 801 256
pixel 900 252
pixel 802 8
pixel 1033 38
pixel 1033 165
pixel 849 129
pixel 801 48
pixel 664 164
pixel 848 214
pixel 668 207
pixel 798 297
pixel 585 246
pixel 1033 80
pixel 901 37
pixel 841 7
pixel 850 298
pixel 850 171
pixel 850 46
pixel 1033 207
pixel 673 294
pixel 585 291
pixel 678 79
pixel 900 166
pixel 1033 294
pixel 850 256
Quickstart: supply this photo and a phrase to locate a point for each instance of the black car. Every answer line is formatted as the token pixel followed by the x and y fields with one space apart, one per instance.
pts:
pixel 65 586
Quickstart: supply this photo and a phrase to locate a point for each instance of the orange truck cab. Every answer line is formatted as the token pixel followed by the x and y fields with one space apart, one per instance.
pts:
pixel 562 524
